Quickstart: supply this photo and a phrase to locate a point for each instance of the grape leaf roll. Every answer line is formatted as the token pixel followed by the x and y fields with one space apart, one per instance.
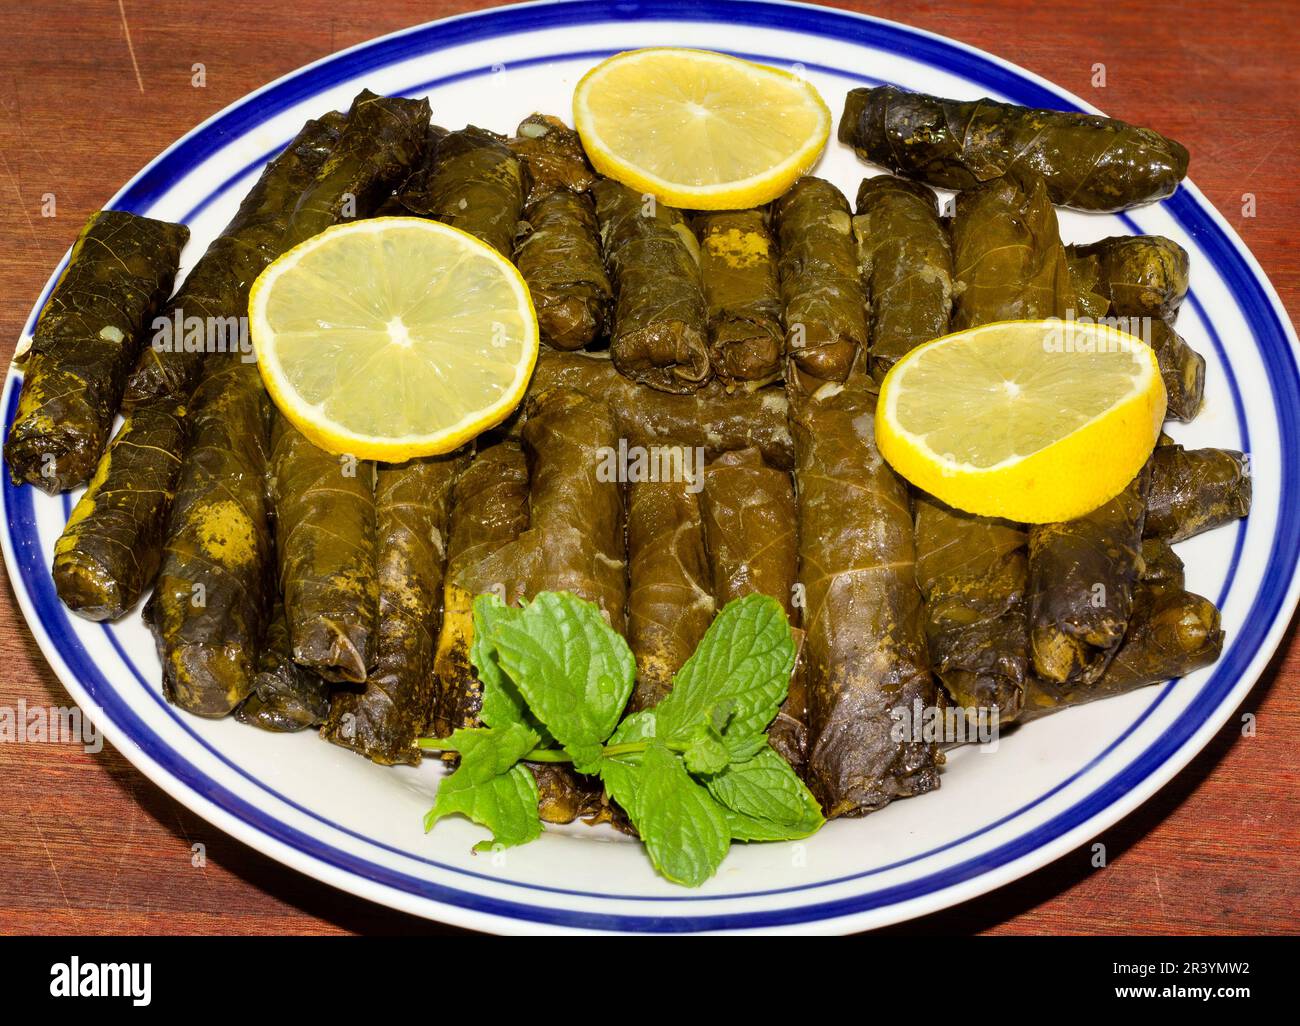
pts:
pixel 670 590
pixel 906 264
pixel 738 269
pixel 750 521
pixel 86 341
pixel 558 255
pixel 475 183
pixel 1143 275
pixel 868 667
pixel 325 547
pixel 382 720
pixel 213 592
pixel 660 335
pixel 111 546
pixel 821 293
pixel 973 573
pixel 553 155
pixel 1088 161
pixel 489 510
pixel 1082 574
pixel 1007 254
pixel 1195 490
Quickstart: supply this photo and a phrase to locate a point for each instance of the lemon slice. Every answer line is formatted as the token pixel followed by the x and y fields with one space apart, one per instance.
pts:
pixel 393 338
pixel 698 129
pixel 1035 421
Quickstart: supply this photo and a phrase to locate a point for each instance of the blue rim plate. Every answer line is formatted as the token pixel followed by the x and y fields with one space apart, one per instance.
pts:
pixel 998 815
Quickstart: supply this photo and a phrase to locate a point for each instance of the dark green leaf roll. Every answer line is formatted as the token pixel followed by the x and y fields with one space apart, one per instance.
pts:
pixel 558 255
pixel 660 335
pixel 738 268
pixel 474 183
pixel 325 548
pixel 1195 490
pixel 86 341
pixel 213 592
pixel 286 697
pixel 111 546
pixel 906 264
pixel 821 292
pixel 382 720
pixel 1088 161
pixel 1082 574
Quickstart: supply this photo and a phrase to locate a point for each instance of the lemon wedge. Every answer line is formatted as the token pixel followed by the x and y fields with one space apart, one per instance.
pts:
pixel 393 338
pixel 697 129
pixel 1034 421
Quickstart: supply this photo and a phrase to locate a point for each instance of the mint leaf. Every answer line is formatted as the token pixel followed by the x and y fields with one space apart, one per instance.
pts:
pixel 765 800
pixel 486 752
pixel 506 804
pixel 621 774
pixel 743 748
pixel 574 670
pixel 705 752
pixel 685 831
pixel 745 659
pixel 502 704
pixel 489 787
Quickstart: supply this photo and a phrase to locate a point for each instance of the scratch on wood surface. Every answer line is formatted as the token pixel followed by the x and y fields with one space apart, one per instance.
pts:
pixel 19 193
pixel 126 29
pixel 49 855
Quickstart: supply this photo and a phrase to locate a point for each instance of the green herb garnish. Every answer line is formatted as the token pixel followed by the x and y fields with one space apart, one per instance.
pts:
pixel 693 774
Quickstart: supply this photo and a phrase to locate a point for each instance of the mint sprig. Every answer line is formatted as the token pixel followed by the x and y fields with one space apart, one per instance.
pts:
pixel 693 774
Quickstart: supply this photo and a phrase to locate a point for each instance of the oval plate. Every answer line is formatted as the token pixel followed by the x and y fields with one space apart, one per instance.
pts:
pixel 999 815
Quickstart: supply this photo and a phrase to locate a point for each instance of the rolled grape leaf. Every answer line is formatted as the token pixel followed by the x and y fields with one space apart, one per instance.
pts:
pixel 86 341
pixel 1082 574
pixel 868 668
pixel 286 697
pixel 575 538
pixel 973 574
pixel 710 418
pixel 660 335
pixel 213 592
pixel 1007 254
pixel 1195 490
pixel 1171 633
pixel 1144 278
pixel 111 546
pixel 738 268
pixel 553 155
pixel 382 720
pixel 475 183
pixel 821 293
pixel 489 510
pixel 1088 161
pixel 383 140
pixel 906 264
pixel 670 592
pixel 325 547
pixel 559 258
pixel 1182 369
pixel 750 521
pixel 1142 275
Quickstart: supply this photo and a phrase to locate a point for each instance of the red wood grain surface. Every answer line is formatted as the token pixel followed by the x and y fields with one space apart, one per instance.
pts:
pixel 90 91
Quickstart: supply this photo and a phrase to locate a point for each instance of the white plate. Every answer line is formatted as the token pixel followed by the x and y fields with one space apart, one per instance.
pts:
pixel 997 816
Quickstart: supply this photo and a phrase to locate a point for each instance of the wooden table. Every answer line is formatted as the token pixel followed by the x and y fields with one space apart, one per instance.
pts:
pixel 90 91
